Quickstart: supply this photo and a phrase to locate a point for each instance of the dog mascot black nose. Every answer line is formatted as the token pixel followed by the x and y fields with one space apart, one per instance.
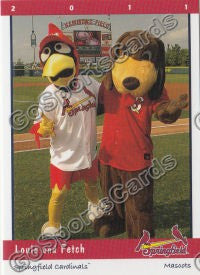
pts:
pixel 131 83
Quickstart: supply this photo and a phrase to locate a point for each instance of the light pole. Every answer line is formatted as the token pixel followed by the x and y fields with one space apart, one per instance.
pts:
pixel 33 42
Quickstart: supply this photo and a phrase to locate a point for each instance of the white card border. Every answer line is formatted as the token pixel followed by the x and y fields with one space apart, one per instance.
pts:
pixel 6 196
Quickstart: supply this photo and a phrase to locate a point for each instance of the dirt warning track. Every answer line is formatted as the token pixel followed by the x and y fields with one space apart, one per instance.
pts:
pixel 26 142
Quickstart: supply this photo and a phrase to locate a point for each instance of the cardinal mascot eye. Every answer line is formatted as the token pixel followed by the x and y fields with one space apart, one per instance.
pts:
pixel 45 54
pixel 62 48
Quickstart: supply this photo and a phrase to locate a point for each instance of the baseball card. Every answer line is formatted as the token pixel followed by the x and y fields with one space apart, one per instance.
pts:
pixel 100 130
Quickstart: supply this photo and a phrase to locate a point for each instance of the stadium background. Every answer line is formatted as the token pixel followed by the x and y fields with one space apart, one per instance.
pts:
pixel 31 166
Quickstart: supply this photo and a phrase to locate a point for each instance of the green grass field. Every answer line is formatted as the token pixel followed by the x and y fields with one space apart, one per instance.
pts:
pixel 180 78
pixel 32 192
pixel 29 95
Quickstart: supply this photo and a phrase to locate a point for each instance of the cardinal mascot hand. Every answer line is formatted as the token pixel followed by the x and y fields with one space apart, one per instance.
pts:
pixel 131 93
pixel 67 114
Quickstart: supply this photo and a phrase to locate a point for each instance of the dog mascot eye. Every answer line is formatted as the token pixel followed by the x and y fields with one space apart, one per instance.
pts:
pixel 45 54
pixel 147 55
pixel 62 48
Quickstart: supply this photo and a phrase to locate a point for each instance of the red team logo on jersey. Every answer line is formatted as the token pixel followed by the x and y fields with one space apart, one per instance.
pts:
pixel 77 107
pixel 66 104
pixel 136 107
pixel 73 109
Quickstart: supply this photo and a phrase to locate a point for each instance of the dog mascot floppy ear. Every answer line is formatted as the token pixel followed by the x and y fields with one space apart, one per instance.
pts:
pixel 130 93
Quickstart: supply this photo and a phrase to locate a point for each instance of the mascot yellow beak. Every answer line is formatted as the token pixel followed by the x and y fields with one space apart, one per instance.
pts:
pixel 60 69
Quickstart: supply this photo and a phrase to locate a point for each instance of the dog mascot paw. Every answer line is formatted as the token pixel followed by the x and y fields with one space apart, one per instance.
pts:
pixel 67 114
pixel 131 93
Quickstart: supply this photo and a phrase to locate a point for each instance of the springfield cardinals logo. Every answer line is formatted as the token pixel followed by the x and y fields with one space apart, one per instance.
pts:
pixel 73 109
pixel 136 107
pixel 176 246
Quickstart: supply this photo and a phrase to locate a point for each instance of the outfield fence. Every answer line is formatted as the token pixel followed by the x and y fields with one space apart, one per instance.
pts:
pixel 177 70
pixel 38 71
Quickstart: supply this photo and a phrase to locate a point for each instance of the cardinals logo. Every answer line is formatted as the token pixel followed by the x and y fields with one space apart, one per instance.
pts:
pixel 176 246
pixel 66 104
pixel 136 107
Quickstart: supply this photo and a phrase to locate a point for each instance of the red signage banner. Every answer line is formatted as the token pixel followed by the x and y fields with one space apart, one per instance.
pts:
pixel 103 249
pixel 72 7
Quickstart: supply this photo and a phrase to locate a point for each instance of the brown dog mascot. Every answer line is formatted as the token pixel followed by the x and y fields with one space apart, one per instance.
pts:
pixel 130 94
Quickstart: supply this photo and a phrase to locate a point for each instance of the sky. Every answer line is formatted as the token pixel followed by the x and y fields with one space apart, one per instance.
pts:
pixel 22 28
